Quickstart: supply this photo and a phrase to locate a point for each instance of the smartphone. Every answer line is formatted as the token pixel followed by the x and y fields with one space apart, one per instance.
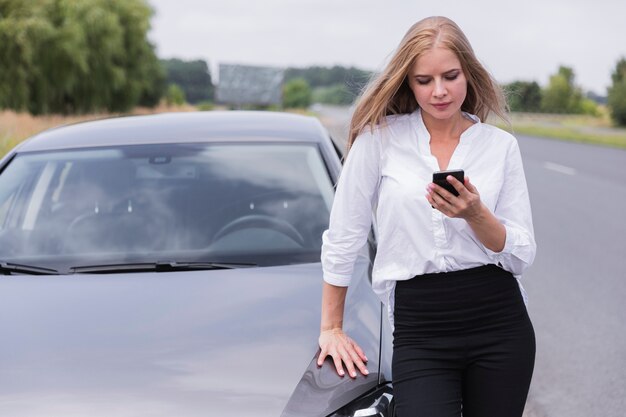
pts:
pixel 439 178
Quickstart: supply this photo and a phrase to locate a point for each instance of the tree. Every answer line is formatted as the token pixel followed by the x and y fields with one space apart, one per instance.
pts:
pixel 616 99
pixel 192 76
pixel 297 93
pixel 21 30
pixel 175 96
pixel 334 94
pixel 561 95
pixel 135 69
pixel 353 79
pixel 154 85
pixel 74 56
pixel 524 96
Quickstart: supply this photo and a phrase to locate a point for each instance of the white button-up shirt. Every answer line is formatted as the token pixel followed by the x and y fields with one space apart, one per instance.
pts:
pixel 385 176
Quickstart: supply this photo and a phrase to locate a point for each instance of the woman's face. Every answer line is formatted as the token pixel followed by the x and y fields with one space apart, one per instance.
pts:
pixel 438 83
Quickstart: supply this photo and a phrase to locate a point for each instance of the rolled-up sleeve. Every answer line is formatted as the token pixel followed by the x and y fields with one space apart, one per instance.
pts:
pixel 351 214
pixel 514 211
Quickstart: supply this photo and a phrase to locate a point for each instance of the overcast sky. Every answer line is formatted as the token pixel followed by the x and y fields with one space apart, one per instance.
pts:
pixel 526 40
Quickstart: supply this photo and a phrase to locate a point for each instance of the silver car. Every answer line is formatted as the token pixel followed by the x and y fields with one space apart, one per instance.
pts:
pixel 168 265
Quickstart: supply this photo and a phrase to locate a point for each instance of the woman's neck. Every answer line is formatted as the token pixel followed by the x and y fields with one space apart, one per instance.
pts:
pixel 445 129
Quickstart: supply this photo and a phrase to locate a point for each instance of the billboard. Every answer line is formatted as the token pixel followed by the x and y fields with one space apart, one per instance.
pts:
pixel 241 85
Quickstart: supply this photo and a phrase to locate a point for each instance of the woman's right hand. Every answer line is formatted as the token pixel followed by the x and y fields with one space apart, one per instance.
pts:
pixel 336 344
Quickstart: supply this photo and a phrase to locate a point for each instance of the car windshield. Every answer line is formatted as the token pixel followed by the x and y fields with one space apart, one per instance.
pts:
pixel 263 204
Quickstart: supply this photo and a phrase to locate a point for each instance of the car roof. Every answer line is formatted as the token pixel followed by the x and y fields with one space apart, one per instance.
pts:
pixel 186 127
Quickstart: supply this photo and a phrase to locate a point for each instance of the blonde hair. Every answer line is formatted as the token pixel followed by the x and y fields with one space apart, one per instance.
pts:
pixel 389 93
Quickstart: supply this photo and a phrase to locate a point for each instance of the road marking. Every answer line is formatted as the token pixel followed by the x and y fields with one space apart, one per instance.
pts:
pixel 559 168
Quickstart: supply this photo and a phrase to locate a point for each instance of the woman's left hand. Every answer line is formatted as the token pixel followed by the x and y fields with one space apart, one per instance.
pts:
pixel 466 206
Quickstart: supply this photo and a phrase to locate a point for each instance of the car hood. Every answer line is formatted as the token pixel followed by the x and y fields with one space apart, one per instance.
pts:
pixel 224 342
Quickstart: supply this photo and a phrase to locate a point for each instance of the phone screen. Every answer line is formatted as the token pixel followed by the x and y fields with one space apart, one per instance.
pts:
pixel 439 178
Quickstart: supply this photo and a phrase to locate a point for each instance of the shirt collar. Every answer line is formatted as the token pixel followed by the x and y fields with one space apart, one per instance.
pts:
pixel 422 132
pixel 458 156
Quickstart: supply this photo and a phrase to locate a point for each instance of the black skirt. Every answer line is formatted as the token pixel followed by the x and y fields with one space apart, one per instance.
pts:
pixel 462 341
pixel 482 299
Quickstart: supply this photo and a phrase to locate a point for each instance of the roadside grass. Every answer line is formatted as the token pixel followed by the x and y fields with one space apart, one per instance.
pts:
pixel 16 127
pixel 572 134
pixel 576 128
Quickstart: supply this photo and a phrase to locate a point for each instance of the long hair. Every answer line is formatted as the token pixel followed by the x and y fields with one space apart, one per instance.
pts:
pixel 389 93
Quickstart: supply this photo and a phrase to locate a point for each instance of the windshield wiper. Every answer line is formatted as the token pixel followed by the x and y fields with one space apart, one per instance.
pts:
pixel 8 268
pixel 160 266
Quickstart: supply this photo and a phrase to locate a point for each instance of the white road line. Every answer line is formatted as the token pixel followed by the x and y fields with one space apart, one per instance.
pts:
pixel 559 168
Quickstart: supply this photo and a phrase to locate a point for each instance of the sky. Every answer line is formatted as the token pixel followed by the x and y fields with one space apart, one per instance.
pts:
pixel 526 40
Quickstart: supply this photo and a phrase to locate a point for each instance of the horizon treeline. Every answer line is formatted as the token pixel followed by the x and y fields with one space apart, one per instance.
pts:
pixel 73 57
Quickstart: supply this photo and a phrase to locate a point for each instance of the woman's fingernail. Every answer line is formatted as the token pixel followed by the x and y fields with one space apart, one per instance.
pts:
pixel 366 372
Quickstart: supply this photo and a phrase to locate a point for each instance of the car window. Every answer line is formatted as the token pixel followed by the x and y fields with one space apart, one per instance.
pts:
pixel 266 204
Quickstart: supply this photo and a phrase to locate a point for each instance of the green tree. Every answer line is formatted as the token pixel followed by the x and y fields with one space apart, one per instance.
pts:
pixel 297 93
pixel 616 99
pixel 154 84
pixel 192 76
pixel 20 32
pixel 138 70
pixel 70 56
pixel 334 94
pixel 590 107
pixel 524 96
pixel 561 95
pixel 175 96
pixel 353 79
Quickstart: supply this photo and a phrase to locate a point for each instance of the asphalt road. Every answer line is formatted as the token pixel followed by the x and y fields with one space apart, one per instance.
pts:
pixel 577 285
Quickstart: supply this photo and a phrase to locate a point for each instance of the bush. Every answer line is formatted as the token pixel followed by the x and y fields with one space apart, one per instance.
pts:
pixel 297 94
pixel 335 94
pixel 205 105
pixel 590 107
pixel 175 96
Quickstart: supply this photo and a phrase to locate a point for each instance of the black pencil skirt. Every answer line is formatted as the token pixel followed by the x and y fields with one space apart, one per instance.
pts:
pixel 463 345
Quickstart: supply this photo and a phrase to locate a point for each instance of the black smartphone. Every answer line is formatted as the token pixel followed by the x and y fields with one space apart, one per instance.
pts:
pixel 439 178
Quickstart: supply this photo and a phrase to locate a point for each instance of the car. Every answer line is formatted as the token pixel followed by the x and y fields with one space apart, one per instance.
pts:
pixel 168 264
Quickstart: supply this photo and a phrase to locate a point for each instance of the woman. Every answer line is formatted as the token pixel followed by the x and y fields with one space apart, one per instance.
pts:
pixel 446 265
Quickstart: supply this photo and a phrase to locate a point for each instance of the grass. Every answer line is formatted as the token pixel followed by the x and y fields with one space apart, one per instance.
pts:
pixel 576 128
pixel 615 140
pixel 15 127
